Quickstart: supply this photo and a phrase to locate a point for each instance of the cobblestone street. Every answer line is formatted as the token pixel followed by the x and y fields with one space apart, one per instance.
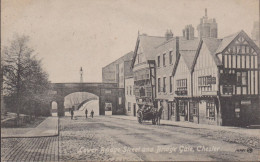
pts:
pixel 111 139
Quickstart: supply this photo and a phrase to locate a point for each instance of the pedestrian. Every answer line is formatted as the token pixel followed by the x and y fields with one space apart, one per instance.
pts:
pixel 86 112
pixel 92 113
pixel 72 112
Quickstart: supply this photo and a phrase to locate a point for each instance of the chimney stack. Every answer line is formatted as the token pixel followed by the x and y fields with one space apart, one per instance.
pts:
pixel 168 34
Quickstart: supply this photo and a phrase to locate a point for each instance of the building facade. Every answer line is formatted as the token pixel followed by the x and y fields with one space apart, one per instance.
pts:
pixel 226 81
pixel 116 72
pixel 130 100
pixel 143 65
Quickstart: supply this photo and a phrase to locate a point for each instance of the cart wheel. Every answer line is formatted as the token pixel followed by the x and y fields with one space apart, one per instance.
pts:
pixel 153 121
pixel 140 117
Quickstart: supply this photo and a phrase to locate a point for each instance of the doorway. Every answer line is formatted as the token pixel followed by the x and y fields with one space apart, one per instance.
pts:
pixel 134 109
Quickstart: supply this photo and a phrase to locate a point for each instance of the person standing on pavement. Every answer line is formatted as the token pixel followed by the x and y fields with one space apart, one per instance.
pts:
pixel 72 112
pixel 86 112
pixel 92 113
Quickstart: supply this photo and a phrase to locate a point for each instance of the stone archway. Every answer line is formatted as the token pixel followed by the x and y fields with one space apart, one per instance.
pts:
pixel 107 92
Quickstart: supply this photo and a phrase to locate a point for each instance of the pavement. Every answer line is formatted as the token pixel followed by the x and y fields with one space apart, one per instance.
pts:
pixel 247 131
pixel 49 127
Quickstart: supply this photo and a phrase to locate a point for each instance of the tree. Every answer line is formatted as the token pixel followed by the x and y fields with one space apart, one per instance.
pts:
pixel 25 83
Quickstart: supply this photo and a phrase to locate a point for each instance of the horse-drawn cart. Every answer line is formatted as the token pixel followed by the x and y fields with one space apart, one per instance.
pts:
pixel 147 113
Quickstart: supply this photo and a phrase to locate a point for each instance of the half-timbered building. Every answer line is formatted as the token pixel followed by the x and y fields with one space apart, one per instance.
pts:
pixel 226 81
pixel 143 65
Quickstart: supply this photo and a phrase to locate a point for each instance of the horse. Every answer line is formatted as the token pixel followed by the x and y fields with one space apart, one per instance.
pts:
pixel 159 115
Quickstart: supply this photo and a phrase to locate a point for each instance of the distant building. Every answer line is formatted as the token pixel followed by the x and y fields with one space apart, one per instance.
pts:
pixel 207 27
pixel 256 33
pixel 130 101
pixel 116 71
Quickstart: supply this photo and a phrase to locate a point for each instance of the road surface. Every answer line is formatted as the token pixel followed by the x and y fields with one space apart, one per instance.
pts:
pixel 111 139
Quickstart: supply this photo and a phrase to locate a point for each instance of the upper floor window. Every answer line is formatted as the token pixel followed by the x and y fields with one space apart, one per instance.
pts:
pixel 241 87
pixel 170 80
pixel 181 85
pixel 130 90
pixel 170 57
pixel 158 61
pixel 164 84
pixel 159 84
pixel 164 59
pixel 242 78
pixel 204 84
pixel 127 90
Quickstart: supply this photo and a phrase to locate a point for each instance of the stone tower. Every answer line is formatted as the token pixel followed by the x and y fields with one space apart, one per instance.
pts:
pixel 207 27
pixel 188 32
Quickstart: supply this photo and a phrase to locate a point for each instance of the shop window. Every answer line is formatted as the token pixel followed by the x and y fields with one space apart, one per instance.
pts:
pixel 182 108
pixel 194 107
pixel 210 110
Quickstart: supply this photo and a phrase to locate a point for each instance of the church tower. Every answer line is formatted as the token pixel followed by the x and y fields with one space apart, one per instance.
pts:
pixel 207 27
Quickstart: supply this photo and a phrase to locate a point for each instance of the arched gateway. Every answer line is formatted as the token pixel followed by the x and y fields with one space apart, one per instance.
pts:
pixel 107 93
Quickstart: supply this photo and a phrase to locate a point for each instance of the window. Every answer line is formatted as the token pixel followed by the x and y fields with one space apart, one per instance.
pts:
pixel 159 84
pixel 241 82
pixel 210 110
pixel 164 55
pixel 158 63
pixel 183 107
pixel 119 100
pixel 127 90
pixel 170 57
pixel 164 84
pixel 129 106
pixel 194 106
pixel 170 84
pixel 130 90
pixel 242 78
pixel 181 85
pixel 204 83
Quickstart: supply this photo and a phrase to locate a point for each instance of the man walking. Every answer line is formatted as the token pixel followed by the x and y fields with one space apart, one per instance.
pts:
pixel 72 112
pixel 92 113
pixel 86 112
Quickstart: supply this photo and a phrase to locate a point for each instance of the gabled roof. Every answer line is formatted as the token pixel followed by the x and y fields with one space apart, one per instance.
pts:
pixel 212 45
pixel 148 45
pixel 188 51
pixel 216 46
pixel 188 57
pixel 226 41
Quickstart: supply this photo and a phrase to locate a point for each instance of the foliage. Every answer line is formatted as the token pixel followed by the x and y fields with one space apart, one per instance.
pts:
pixel 25 83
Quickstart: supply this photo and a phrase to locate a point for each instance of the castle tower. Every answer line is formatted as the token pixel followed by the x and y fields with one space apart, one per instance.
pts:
pixel 207 27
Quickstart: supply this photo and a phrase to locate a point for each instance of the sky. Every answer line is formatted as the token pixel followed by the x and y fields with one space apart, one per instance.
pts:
pixel 69 34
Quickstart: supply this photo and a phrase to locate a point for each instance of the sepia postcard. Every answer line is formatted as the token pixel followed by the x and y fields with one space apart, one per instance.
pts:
pixel 130 80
